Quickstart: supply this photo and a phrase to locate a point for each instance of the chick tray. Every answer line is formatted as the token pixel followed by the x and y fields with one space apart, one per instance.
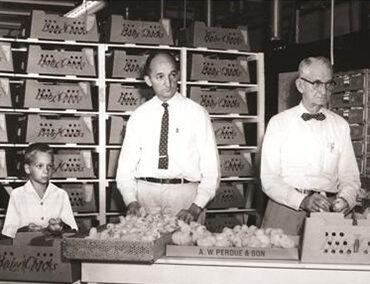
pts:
pixel 240 242
pixel 133 239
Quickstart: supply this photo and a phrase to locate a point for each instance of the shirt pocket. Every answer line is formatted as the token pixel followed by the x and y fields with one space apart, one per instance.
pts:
pixel 331 160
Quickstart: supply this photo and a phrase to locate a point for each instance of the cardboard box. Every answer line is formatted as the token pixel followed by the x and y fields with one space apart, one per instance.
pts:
pixel 351 80
pixel 233 252
pixel 81 196
pixel 331 238
pixel 140 32
pixel 128 66
pixel 236 164
pixel 53 26
pixel 5 94
pixel 117 129
pixel 46 95
pixel 220 101
pixel 199 35
pixel 112 162
pixel 73 164
pixel 347 99
pixel 228 196
pixel 57 129
pixel 219 70
pixel 127 98
pixel 35 257
pixel 229 132
pixel 61 62
pixel 6 59
pixel 352 115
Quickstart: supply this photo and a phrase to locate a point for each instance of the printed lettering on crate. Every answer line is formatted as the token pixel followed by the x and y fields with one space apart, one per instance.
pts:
pixel 219 70
pixel 5 95
pixel 61 62
pixel 199 35
pixel 73 164
pixel 31 256
pixel 51 129
pixel 127 98
pixel 128 66
pixel 57 95
pixel 229 132
pixel 53 26
pixel 220 101
pixel 6 59
pixel 140 32
pixel 332 238
pixel 236 164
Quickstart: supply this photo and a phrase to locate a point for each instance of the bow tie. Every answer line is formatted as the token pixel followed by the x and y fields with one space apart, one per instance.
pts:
pixel 318 116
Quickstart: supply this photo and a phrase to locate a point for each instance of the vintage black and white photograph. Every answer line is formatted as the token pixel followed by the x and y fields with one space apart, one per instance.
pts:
pixel 185 141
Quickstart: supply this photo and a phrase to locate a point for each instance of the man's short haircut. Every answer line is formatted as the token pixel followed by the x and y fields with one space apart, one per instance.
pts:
pixel 154 54
pixel 32 149
pixel 309 60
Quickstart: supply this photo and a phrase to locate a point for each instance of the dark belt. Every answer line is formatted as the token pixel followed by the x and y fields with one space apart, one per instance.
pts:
pixel 308 192
pixel 165 180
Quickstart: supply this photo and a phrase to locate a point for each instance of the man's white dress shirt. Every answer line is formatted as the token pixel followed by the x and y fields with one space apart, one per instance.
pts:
pixel 308 155
pixel 26 206
pixel 192 149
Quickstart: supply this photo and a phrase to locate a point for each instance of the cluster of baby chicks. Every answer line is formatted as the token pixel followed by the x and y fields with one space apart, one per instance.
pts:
pixel 146 228
pixel 240 236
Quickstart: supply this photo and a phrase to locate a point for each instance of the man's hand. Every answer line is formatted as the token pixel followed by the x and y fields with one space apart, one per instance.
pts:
pixel 315 202
pixel 191 214
pixel 340 205
pixel 133 208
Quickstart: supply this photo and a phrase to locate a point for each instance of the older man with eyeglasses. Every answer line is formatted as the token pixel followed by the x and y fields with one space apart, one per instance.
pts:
pixel 308 163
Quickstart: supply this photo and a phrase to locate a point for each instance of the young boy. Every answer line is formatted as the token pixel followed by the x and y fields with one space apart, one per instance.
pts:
pixel 38 200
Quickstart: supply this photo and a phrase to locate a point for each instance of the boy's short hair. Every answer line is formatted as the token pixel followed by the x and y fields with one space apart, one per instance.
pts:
pixel 36 147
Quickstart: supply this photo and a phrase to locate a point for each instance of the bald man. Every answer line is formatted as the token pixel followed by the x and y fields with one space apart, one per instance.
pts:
pixel 308 163
pixel 169 158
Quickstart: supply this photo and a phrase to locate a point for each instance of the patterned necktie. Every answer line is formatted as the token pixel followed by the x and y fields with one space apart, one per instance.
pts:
pixel 163 141
pixel 318 116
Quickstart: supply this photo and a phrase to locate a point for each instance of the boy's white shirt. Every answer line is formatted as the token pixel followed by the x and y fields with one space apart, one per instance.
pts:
pixel 26 206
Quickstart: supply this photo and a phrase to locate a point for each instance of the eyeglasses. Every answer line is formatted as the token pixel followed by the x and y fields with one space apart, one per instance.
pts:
pixel 330 85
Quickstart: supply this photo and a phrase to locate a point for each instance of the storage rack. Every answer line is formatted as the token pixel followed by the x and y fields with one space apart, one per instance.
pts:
pixel 102 80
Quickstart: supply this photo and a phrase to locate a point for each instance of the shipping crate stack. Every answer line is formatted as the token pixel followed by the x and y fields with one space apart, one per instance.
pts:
pixel 50 96
pixel 350 100
pixel 222 78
